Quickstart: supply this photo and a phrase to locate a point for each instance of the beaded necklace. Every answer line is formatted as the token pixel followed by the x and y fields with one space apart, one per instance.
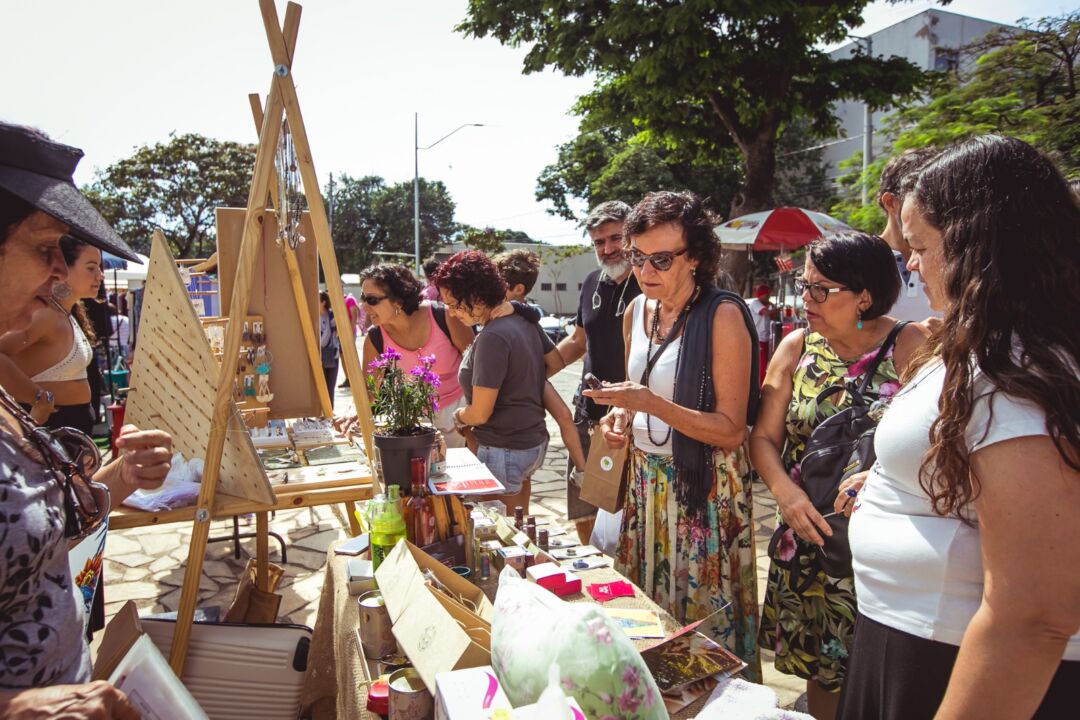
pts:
pixel 651 359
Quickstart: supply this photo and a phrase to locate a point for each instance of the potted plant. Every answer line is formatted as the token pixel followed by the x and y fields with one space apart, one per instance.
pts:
pixel 404 406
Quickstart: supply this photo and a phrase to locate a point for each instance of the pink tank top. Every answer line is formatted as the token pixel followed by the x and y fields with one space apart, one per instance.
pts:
pixel 447 359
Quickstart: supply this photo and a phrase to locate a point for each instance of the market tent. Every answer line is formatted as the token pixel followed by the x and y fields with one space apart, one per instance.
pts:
pixel 784 228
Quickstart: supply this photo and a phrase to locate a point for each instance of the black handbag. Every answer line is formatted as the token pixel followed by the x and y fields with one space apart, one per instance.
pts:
pixel 839 446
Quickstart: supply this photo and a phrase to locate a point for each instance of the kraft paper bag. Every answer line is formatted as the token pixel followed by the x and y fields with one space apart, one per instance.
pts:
pixel 604 484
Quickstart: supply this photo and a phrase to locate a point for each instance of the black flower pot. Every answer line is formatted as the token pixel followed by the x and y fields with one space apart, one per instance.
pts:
pixel 394 454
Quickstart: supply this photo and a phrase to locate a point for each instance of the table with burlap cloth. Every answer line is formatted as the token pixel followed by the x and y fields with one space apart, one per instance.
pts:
pixel 337 679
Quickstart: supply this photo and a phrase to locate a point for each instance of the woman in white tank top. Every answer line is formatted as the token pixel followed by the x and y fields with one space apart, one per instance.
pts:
pixel 687 532
pixel 49 358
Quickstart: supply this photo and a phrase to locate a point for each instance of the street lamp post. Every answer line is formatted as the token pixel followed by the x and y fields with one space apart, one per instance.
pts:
pixel 416 178
pixel 868 128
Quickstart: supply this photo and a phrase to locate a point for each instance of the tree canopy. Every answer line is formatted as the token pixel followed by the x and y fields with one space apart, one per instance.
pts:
pixel 174 187
pixel 1017 81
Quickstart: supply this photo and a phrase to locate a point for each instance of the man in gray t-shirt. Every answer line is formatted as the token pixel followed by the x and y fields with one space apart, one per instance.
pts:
pixel 509 356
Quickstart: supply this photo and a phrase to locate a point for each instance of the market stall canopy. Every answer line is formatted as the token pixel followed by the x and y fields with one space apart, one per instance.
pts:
pixel 783 228
pixel 124 270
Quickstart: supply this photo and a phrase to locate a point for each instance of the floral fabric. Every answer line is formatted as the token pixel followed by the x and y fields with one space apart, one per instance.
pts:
pixel 695 565
pixel 811 633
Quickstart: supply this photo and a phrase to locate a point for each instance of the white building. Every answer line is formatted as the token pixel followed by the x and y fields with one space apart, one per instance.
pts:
pixel 562 271
pixel 931 40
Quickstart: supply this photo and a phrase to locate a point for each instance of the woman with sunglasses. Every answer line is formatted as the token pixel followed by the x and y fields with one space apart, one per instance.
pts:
pixel 687 529
pixel 46 500
pixel 53 352
pixel 848 284
pixel 401 319
pixel 965 537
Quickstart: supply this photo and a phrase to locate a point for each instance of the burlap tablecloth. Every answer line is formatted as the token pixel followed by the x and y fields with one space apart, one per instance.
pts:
pixel 336 683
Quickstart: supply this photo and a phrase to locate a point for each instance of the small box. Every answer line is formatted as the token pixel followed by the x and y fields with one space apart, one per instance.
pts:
pixel 483 527
pixel 513 556
pixel 361 576
pixel 492 546
pixel 472 694
pixel 554 578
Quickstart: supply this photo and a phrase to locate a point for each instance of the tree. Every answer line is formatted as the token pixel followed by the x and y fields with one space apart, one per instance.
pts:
pixel 174 187
pixel 703 73
pixel 1019 81
pixel 487 240
pixel 370 217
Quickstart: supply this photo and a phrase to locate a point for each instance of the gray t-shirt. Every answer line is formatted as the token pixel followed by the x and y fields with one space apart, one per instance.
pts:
pixel 508 354
pixel 41 624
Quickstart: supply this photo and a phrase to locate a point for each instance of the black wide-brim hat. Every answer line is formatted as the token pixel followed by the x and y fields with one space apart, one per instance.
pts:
pixel 41 172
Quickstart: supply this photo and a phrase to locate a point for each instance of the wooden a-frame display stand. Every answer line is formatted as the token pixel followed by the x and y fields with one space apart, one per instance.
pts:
pixel 282 98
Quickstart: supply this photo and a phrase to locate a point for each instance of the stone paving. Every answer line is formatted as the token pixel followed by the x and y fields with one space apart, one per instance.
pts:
pixel 146 565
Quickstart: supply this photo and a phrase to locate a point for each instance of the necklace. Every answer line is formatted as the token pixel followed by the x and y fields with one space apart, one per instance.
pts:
pixel 651 359
pixel 620 306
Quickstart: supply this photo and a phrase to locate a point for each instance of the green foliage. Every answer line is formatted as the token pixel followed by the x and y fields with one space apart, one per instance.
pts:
pixel 1021 82
pixel 371 216
pixel 174 187
pixel 487 240
pixel 400 400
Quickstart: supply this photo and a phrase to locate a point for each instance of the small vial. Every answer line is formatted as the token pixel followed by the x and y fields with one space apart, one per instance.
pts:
pixel 530 530
pixel 542 534
pixel 485 565
pixel 519 517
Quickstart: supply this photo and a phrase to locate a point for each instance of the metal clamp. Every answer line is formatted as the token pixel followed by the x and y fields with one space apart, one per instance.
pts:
pixel 281 70
pixel 202 515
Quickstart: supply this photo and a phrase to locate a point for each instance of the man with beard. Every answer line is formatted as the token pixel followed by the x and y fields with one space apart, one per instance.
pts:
pixel 598 337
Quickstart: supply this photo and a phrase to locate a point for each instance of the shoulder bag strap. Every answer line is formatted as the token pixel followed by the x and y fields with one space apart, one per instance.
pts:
pixel 375 335
pixel 887 345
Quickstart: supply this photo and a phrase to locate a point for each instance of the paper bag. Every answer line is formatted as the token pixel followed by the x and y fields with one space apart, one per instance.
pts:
pixel 438 632
pixel 604 484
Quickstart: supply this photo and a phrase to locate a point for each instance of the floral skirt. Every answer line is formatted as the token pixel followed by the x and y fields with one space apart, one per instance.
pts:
pixel 693 566
pixel 812 632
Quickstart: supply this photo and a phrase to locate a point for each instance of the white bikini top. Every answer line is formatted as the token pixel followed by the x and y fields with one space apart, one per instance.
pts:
pixel 73 366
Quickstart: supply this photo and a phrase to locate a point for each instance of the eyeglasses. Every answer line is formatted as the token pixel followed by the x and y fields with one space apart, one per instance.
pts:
pixel 660 260
pixel 818 292
pixel 73 457
pixel 372 300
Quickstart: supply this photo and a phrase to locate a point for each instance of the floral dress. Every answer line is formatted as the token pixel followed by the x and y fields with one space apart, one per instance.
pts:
pixel 691 565
pixel 812 632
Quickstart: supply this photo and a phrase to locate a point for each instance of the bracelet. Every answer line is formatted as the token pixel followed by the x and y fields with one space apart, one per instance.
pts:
pixel 43 394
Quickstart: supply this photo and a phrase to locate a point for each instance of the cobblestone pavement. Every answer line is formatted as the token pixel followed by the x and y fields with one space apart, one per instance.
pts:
pixel 146 565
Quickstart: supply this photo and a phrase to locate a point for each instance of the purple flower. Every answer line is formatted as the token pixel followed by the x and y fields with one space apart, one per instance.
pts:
pixel 391 354
pixel 377 363
pixel 888 389
pixel 786 547
pixel 630 676
pixel 629 701
pixel 600 631
pixel 605 698
pixel 650 696
pixel 417 371
pixel 428 360
pixel 568 685
pixel 434 405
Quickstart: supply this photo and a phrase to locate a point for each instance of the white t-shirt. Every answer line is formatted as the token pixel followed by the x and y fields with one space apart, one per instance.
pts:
pixel 760 312
pixel 916 571
pixel 912 303
pixel 121 330
pixel 661 381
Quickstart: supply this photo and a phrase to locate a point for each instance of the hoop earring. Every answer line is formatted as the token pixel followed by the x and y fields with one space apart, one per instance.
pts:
pixel 61 291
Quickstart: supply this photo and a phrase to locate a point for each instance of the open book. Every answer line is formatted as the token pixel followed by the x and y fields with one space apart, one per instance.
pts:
pixel 465 475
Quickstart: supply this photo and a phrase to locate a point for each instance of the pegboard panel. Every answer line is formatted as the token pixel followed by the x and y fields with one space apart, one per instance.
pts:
pixel 173 381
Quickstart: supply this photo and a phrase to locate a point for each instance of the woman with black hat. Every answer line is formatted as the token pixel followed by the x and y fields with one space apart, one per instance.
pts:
pixel 53 492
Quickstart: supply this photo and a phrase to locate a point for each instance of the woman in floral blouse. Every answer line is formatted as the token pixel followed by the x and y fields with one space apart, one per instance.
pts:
pixel 848 284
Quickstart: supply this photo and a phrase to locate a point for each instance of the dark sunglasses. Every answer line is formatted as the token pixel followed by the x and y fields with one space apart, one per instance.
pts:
pixel 818 292
pixel 372 300
pixel 660 260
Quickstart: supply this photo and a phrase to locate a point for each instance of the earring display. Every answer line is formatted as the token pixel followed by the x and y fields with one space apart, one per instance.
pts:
pixel 251 386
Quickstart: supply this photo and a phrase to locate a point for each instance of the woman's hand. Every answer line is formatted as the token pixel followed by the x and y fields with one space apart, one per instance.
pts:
pixel 801 515
pixel 616 427
pixel 347 425
pixel 93 701
pixel 848 491
pixel 459 425
pixel 43 407
pixel 629 395
pixel 145 455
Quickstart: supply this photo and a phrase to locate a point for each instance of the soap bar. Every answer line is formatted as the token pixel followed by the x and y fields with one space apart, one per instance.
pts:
pixel 361 576
pixel 554 578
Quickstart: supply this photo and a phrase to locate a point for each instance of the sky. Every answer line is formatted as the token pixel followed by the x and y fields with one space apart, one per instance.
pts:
pixel 112 75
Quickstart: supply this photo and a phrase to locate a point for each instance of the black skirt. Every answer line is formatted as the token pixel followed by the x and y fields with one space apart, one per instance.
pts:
pixel 893 675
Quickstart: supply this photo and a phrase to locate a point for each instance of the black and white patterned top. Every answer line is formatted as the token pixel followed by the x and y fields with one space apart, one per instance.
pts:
pixel 41 624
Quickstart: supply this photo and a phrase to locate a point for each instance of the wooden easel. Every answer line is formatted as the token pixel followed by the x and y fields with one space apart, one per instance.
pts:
pixel 282 98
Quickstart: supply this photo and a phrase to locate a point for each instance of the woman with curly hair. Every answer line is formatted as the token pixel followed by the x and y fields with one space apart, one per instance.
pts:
pixel 687 532
pixel 403 321
pixel 965 536
pixel 502 373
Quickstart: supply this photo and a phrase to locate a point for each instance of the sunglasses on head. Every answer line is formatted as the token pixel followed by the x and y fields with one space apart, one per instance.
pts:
pixel 372 300
pixel 660 260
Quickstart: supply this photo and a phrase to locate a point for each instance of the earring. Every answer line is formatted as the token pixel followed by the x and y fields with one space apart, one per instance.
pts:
pixel 858 325
pixel 61 291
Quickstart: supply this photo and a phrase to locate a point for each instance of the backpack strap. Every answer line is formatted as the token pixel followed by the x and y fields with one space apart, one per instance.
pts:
pixel 375 335
pixel 438 311
pixel 886 346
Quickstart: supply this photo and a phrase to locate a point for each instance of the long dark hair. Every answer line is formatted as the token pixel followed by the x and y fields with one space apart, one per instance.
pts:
pixel 72 247
pixel 1011 246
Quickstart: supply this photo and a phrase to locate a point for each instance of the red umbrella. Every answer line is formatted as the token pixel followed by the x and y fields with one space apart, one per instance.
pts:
pixel 783 228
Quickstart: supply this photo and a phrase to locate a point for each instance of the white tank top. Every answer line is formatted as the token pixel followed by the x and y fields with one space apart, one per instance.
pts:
pixel 661 381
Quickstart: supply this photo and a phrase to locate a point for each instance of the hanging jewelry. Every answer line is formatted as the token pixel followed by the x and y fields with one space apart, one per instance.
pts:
pixel 61 291
pixel 858 325
pixel 653 337
pixel 290 197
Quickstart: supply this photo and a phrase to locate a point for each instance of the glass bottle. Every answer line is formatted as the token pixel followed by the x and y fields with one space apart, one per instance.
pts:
pixel 387 524
pixel 421 515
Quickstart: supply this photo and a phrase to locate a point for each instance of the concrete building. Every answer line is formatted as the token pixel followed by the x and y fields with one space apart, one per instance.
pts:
pixel 931 40
pixel 561 273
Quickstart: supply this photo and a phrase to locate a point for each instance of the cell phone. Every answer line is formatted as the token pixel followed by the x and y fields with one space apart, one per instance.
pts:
pixel 592 382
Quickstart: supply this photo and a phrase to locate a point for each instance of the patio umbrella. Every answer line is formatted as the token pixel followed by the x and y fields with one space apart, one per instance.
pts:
pixel 783 228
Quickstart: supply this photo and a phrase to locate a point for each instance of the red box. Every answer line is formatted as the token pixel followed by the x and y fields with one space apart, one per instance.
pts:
pixel 552 577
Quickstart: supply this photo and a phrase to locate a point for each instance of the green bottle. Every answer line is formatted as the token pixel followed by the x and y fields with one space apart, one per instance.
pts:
pixel 387 524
